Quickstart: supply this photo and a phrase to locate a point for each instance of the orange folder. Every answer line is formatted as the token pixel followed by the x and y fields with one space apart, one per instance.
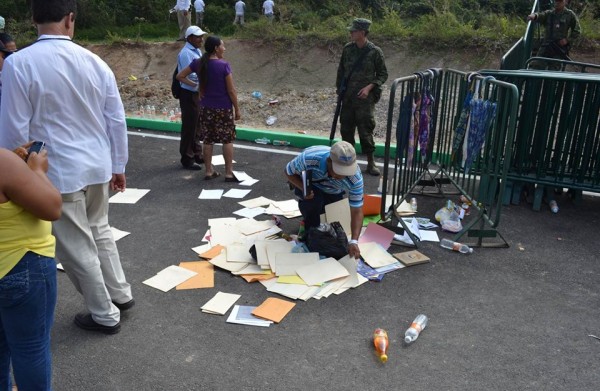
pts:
pixel 273 309
pixel 371 204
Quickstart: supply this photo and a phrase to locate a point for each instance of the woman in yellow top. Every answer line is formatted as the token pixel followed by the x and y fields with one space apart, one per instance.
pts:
pixel 28 202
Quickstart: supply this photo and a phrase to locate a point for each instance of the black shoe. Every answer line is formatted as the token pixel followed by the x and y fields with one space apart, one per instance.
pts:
pixel 193 167
pixel 199 160
pixel 124 306
pixel 86 322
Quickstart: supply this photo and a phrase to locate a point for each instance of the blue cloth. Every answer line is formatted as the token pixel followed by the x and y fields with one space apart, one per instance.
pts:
pixel 315 160
pixel 27 301
pixel 185 57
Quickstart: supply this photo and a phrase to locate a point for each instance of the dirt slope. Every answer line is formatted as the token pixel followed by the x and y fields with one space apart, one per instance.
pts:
pixel 300 77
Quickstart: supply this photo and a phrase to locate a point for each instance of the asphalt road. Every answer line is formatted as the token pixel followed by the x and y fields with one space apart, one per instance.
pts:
pixel 500 319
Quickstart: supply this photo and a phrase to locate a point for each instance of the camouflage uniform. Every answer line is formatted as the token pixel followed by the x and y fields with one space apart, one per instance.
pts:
pixel 360 113
pixel 557 25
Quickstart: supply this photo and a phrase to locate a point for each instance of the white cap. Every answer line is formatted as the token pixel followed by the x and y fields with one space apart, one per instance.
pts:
pixel 194 30
pixel 343 158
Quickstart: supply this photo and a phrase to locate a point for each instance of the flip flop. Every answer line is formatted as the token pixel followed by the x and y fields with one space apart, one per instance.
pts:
pixel 214 175
pixel 231 179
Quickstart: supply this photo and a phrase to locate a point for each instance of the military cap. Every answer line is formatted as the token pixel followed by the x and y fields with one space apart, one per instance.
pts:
pixel 360 24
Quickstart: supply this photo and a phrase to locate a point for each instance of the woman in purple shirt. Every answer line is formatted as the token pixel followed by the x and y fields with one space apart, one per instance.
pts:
pixel 218 107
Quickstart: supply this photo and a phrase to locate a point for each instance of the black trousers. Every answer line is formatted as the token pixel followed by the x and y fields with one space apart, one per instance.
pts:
pixel 313 209
pixel 190 147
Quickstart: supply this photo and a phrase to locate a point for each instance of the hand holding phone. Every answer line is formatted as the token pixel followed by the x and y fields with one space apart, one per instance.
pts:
pixel 36 147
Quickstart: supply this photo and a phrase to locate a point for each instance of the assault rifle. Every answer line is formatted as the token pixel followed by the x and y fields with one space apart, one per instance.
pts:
pixel 558 50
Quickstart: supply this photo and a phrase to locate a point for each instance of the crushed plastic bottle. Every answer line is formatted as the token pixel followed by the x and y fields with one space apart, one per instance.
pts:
pixel 281 142
pixel 415 328
pixel 256 94
pixel 553 206
pixel 413 204
pixel 263 140
pixel 381 342
pixel 271 120
pixel 455 246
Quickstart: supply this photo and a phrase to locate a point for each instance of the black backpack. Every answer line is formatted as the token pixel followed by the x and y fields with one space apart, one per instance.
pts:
pixel 175 85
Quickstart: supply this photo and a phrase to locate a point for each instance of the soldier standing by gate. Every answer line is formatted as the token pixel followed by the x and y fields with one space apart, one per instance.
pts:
pixel 557 41
pixel 360 75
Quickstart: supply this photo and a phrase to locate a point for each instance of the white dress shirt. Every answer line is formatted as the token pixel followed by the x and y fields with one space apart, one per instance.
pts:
pixel 199 5
pixel 66 96
pixel 183 5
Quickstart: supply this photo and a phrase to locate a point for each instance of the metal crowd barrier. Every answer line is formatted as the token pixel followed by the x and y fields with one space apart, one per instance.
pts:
pixel 557 142
pixel 437 161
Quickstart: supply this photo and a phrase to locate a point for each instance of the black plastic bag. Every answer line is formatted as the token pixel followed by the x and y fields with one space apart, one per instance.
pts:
pixel 328 240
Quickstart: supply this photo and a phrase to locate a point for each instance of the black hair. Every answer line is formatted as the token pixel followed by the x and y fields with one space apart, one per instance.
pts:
pixel 210 46
pixel 6 38
pixel 52 11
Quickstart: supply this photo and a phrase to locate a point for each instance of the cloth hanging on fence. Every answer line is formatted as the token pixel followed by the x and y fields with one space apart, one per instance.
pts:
pixel 413 135
pixel 483 113
pixel 426 104
pixel 461 126
pixel 403 124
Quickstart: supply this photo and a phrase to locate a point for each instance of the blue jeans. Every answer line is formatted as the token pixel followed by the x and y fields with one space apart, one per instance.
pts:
pixel 27 301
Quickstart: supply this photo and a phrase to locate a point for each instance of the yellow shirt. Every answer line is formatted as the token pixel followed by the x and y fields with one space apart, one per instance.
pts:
pixel 20 232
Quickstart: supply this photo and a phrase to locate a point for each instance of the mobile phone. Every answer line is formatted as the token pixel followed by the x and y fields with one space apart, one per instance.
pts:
pixel 36 147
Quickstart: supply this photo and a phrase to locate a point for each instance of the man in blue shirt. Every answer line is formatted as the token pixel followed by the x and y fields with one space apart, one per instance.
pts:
pixel 333 171
pixel 190 148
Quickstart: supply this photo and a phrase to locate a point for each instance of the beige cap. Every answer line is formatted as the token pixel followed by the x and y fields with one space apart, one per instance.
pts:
pixel 343 158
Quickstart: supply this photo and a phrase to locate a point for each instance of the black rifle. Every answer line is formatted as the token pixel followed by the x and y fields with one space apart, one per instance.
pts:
pixel 558 50
pixel 342 92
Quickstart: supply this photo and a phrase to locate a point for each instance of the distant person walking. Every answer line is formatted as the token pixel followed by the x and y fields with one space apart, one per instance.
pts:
pixel 240 9
pixel 360 75
pixel 557 40
pixel 199 7
pixel 184 18
pixel 190 148
pixel 218 107
pixel 268 7
pixel 73 104
pixel 2 23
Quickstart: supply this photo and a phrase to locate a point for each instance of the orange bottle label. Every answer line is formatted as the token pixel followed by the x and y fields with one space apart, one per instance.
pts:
pixel 417 327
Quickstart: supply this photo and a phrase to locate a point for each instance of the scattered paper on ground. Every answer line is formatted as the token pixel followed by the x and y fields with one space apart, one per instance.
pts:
pixel 375 255
pixel 169 278
pixel 322 271
pixel 129 196
pixel 339 211
pixel 204 279
pixel 237 193
pixel 211 194
pixel 273 309
pixel 242 314
pixel 220 303
pixel 256 202
pixel 118 234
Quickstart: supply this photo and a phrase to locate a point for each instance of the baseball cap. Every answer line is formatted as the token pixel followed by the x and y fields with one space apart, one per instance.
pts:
pixel 194 30
pixel 343 158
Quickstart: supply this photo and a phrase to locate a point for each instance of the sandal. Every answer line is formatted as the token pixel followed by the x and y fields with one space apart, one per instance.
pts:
pixel 214 175
pixel 231 179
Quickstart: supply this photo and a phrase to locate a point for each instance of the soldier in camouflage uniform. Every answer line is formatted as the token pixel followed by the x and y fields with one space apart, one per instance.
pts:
pixel 362 90
pixel 557 22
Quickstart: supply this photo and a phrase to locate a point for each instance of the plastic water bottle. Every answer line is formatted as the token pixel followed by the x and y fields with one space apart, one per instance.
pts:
pixel 455 246
pixel 413 204
pixel 553 206
pixel 415 328
pixel 381 342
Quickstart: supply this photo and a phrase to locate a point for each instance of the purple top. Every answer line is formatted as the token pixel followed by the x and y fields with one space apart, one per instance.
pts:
pixel 215 94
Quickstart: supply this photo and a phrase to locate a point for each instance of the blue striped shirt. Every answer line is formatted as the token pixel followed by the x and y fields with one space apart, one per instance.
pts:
pixel 315 160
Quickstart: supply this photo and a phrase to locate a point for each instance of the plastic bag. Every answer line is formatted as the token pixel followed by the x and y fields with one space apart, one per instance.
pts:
pixel 328 240
pixel 444 212
pixel 452 223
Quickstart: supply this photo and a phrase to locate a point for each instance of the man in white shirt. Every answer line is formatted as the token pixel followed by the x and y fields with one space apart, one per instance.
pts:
pixel 199 7
pixel 184 18
pixel 190 147
pixel 70 100
pixel 240 8
pixel 268 6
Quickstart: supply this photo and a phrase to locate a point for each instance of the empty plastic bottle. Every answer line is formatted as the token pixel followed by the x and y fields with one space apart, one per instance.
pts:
pixel 415 328
pixel 455 246
pixel 413 204
pixel 553 206
pixel 381 342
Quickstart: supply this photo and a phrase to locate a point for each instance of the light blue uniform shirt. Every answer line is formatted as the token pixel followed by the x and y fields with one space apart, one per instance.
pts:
pixel 185 57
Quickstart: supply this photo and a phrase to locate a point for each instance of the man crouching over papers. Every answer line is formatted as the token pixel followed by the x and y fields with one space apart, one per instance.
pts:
pixel 333 171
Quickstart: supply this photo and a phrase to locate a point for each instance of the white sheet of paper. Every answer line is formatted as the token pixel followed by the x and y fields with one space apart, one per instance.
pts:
pixel 252 268
pixel 350 264
pixel 322 271
pixel 220 303
pixel 287 264
pixel 238 253
pixel 249 212
pixel 221 221
pixel 293 291
pixel 375 255
pixel 201 249
pixel 221 262
pixel 248 182
pixel 339 211
pixel 286 206
pixel 237 193
pixel 429 236
pixel 277 246
pixel 211 194
pixel 250 226
pixel 255 202
pixel 169 278
pixel 241 176
pixel 129 196
pixel 219 160
pixel 118 234
pixel 405 238
pixel 309 293
pixel 261 253
pixel 225 234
